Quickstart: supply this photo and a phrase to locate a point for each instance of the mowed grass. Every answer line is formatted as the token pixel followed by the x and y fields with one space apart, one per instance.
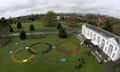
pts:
pixel 116 28
pixel 36 65
pixel 76 28
pixel 68 46
pixel 39 27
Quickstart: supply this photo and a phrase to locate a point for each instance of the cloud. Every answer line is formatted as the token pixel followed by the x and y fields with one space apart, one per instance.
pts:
pixel 24 7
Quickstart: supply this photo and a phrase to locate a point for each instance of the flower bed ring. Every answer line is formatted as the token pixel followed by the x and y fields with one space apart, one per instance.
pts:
pixel 68 52
pixel 10 51
pixel 61 60
pixel 23 60
pixel 43 52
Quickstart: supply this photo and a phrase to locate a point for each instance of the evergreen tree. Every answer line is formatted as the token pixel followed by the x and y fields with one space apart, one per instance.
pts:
pixel 19 25
pixel 63 33
pixel 10 29
pixel 22 35
pixel 3 23
pixel 32 28
pixel 59 26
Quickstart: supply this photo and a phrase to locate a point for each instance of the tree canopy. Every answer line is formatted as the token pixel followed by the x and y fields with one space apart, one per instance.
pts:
pixel 72 20
pixel 49 19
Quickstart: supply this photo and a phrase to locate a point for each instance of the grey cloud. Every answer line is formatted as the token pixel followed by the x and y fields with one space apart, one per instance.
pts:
pixel 24 7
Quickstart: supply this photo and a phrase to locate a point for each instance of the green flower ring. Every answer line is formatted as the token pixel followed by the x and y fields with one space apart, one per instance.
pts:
pixel 63 59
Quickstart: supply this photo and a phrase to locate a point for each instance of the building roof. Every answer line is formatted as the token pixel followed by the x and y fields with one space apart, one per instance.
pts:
pixel 101 19
pixel 104 32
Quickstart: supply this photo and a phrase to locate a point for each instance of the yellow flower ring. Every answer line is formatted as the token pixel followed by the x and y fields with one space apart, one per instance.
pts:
pixel 23 60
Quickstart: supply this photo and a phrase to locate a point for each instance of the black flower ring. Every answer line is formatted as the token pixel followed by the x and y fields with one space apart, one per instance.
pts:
pixel 49 48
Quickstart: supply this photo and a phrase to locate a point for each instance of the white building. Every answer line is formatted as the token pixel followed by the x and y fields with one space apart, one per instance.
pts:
pixel 109 43
pixel 58 17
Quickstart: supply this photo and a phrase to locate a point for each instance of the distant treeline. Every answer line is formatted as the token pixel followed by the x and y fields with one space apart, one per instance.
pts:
pixel 108 24
pixel 90 18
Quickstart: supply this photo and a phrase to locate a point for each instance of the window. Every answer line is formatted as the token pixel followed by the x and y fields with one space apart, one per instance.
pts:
pixel 113 55
pixel 110 49
pixel 107 42
pixel 91 35
pixel 98 39
pixel 105 48
pixel 103 43
pixel 94 37
pixel 88 33
pixel 115 48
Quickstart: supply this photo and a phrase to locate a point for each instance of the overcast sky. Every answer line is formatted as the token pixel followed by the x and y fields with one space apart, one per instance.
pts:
pixel 15 8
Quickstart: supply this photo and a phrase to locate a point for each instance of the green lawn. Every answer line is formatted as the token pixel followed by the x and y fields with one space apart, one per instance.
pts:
pixel 76 28
pixel 36 65
pixel 38 27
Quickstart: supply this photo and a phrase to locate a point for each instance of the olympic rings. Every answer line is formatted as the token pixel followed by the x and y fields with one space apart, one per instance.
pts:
pixel 43 52
pixel 24 60
pixel 66 52
pixel 49 48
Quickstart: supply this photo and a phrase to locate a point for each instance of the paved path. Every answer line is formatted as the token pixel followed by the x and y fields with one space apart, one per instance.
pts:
pixel 38 33
pixel 70 30
pixel 34 33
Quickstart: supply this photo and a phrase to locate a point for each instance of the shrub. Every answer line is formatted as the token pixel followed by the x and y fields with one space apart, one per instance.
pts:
pixel 10 29
pixel 32 28
pixel 22 35
pixel 19 25
pixel 62 33
pixel 59 26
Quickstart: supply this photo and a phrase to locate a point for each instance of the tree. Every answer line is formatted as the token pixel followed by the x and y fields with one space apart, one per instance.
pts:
pixel 49 19
pixel 72 20
pixel 59 26
pixel 10 29
pixel 19 25
pixel 22 35
pixel 32 28
pixel 31 18
pixel 4 29
pixel 108 25
pixel 3 23
pixel 91 19
pixel 62 33
pixel 10 20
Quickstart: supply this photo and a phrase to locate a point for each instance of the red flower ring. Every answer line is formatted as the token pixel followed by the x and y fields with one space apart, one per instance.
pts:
pixel 66 52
